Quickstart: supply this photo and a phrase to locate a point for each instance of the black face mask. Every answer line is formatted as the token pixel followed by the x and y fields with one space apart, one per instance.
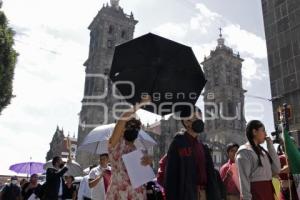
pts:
pixel 130 135
pixel 198 126
pixel 61 165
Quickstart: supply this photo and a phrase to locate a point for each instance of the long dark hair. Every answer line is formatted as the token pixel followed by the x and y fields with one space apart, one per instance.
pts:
pixel 255 125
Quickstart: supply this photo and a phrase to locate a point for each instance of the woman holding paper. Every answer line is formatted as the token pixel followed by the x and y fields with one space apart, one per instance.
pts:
pixel 30 188
pixel 256 166
pixel 121 143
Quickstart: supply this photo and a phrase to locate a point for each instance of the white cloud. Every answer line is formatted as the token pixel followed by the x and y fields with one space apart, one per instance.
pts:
pixel 203 50
pixel 172 30
pixel 205 22
pixel 250 69
pixel 48 81
pixel 245 41
pixel 203 19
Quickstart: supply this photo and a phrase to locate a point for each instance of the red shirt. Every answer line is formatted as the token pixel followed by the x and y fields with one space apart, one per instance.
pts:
pixel 199 154
pixel 229 183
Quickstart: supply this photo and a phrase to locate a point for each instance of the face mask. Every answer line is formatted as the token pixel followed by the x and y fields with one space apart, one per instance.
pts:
pixel 130 135
pixel 198 126
pixel 14 182
pixel 61 165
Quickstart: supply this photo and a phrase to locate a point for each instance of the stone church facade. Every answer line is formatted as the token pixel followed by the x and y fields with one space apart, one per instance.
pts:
pixel 222 68
pixel 109 28
pixel 223 100
pixel 62 145
pixel 223 110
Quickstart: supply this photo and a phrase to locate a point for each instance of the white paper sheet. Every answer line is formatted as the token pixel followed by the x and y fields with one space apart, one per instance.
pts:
pixel 138 174
pixel 33 197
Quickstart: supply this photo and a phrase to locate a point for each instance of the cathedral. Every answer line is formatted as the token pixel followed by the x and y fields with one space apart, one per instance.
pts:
pixel 223 107
pixel 223 94
pixel 223 100
pixel 109 28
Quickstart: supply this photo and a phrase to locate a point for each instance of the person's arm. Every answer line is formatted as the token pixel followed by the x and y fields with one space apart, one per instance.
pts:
pixel 62 171
pixel 285 170
pixel 74 193
pixel 276 166
pixel 52 173
pixel 146 160
pixel 94 182
pixel 225 173
pixel 161 171
pixel 243 163
pixel 120 125
pixel 94 179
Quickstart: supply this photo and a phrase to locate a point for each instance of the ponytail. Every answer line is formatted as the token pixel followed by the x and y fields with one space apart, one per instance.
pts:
pixel 255 125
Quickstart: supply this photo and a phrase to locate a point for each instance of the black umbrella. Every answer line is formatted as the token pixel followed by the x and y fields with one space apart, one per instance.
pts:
pixel 164 69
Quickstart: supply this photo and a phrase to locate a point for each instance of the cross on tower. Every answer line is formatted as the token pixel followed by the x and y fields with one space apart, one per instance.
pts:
pixel 220 29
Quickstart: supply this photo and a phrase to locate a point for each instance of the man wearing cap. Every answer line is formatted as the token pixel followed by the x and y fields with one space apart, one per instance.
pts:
pixel 11 191
pixel 190 170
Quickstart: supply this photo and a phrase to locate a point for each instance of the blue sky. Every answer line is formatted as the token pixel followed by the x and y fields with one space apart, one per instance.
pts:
pixel 52 40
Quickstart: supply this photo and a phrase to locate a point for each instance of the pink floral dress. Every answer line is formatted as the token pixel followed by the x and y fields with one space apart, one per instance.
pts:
pixel 120 187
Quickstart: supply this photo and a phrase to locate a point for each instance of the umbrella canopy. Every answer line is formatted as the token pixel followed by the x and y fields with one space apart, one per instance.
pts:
pixel 96 141
pixel 27 168
pixel 164 69
pixel 74 168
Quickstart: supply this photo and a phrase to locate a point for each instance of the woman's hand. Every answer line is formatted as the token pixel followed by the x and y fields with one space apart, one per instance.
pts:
pixel 146 99
pixel 269 140
pixel 146 160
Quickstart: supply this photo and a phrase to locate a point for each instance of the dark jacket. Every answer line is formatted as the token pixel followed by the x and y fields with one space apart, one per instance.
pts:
pixel 11 192
pixel 181 175
pixel 26 193
pixel 52 184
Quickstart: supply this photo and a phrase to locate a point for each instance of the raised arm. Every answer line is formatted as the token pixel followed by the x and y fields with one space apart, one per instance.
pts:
pixel 276 166
pixel 52 173
pixel 125 117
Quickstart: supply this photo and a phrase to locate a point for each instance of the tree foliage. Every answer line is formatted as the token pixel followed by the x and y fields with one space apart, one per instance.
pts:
pixel 8 58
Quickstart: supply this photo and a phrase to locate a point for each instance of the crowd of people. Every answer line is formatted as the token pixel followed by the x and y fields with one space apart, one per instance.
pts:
pixel 186 172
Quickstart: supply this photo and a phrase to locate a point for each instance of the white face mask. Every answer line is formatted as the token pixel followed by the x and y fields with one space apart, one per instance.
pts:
pixel 14 182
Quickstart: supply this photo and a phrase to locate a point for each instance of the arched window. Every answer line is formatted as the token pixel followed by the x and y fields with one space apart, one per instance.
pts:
pixel 123 34
pixel 111 29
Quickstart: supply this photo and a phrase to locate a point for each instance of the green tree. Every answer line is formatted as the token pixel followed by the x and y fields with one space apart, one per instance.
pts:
pixel 8 58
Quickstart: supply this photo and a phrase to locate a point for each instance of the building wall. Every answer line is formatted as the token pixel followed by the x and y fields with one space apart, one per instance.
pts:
pixel 59 145
pixel 56 144
pixel 282 29
pixel 223 100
